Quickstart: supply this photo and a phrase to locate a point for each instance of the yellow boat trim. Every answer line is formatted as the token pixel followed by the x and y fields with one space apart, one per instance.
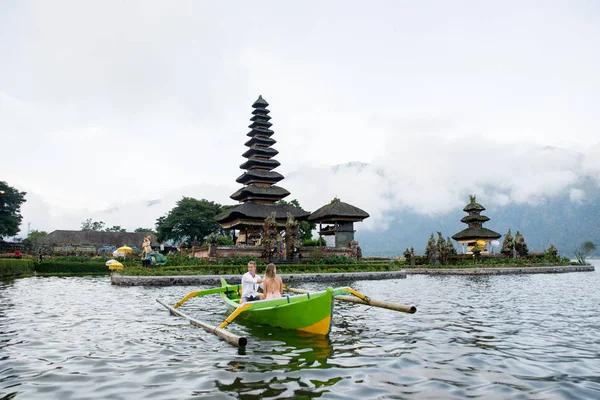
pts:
pixel 320 328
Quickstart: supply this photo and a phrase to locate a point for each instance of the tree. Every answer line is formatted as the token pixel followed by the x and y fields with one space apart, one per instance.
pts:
pixel 191 220
pixel 115 228
pixel 450 250
pixel 441 248
pixel 92 226
pixel 583 251
pixel 520 245
pixel 148 230
pixel 508 244
pixel 10 209
pixel 306 228
pixel 431 251
pixel 35 237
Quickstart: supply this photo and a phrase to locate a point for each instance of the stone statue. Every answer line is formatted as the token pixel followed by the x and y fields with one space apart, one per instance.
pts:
pixel 269 237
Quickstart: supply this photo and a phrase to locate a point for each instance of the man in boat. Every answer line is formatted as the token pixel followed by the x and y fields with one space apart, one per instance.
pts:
pixel 250 284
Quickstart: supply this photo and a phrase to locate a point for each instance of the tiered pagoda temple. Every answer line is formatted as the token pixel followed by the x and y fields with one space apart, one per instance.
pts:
pixel 475 231
pixel 259 194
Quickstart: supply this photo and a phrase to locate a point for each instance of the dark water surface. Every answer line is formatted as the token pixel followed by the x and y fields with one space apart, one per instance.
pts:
pixel 519 336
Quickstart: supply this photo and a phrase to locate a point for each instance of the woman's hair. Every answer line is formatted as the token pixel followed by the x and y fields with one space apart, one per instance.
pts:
pixel 270 273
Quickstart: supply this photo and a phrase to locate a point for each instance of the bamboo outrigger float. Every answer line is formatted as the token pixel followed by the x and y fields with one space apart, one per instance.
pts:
pixel 308 312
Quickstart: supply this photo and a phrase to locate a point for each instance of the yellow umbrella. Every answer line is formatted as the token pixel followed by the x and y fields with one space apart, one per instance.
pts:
pixel 124 249
pixel 481 243
pixel 114 264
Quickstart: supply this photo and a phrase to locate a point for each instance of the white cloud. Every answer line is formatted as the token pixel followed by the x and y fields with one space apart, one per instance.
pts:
pixel 111 104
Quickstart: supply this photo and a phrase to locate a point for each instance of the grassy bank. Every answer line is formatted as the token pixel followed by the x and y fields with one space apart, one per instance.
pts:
pixel 13 267
pixel 81 266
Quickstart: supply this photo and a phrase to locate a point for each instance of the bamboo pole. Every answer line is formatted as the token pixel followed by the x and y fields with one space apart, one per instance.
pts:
pixel 229 337
pixel 377 303
pixel 371 302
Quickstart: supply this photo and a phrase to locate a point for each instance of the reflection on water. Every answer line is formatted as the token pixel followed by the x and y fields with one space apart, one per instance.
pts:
pixel 521 336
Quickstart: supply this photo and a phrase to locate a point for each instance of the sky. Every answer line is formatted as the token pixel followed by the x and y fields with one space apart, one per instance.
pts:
pixel 114 110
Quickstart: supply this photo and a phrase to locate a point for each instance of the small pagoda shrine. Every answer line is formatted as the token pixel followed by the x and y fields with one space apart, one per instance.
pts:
pixel 340 218
pixel 259 194
pixel 475 233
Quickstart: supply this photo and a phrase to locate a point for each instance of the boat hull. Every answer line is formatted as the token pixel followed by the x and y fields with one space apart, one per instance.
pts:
pixel 308 312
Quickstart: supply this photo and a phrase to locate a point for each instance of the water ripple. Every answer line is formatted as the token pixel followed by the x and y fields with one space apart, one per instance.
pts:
pixel 529 336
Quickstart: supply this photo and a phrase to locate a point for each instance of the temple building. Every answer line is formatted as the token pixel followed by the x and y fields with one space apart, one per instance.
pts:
pixel 259 194
pixel 340 218
pixel 475 231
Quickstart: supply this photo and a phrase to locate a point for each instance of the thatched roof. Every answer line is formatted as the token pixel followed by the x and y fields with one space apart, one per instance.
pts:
pixel 474 207
pixel 91 238
pixel 272 192
pixel 474 218
pixel 258 175
pixel 258 212
pixel 260 103
pixel 260 151
pixel 265 164
pixel 476 233
pixel 338 211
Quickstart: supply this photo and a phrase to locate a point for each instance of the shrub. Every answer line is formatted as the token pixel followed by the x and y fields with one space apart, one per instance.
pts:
pixel 15 267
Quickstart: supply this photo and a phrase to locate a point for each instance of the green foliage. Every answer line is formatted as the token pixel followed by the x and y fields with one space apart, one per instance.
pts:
pixel 431 250
pixel 223 240
pixel 441 248
pixel 92 226
pixel 305 229
pixel 520 245
pixel 190 221
pixel 583 251
pixel 71 268
pixel 137 230
pixel 15 267
pixel 115 228
pixel 334 259
pixel 552 252
pixel 34 237
pixel 314 242
pixel 508 244
pixel 10 209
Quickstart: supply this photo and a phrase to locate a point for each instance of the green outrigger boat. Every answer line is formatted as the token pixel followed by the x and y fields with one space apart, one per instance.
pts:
pixel 308 311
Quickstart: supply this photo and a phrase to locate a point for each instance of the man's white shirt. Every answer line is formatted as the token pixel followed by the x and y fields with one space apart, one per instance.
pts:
pixel 250 285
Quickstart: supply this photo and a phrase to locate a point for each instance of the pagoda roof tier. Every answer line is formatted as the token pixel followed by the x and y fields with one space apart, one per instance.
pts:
pixel 474 207
pixel 474 218
pixel 259 131
pixel 253 192
pixel 260 151
pixel 265 141
pixel 263 164
pixel 338 211
pixel 260 124
pixel 257 175
pixel 251 213
pixel 260 117
pixel 476 233
pixel 260 103
pixel 261 112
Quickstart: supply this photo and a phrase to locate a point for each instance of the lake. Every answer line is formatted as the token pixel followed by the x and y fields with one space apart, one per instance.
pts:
pixel 513 336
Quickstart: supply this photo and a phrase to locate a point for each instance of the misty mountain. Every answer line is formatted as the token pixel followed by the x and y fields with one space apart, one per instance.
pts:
pixel 557 220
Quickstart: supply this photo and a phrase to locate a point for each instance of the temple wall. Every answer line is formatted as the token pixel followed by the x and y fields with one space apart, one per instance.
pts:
pixel 306 253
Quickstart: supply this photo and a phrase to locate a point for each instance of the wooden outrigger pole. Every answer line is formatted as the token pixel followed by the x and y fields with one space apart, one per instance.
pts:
pixel 229 337
pixel 340 294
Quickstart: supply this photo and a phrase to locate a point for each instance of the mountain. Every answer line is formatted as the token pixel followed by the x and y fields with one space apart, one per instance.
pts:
pixel 555 220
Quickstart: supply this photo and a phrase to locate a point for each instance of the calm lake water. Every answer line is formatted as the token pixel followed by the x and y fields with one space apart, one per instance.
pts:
pixel 519 336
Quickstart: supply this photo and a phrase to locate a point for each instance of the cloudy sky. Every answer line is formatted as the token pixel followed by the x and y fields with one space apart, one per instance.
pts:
pixel 113 110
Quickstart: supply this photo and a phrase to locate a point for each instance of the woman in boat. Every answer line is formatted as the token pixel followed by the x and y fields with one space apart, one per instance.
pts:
pixel 272 285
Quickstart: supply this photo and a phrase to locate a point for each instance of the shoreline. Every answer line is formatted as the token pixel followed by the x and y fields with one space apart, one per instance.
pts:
pixel 189 280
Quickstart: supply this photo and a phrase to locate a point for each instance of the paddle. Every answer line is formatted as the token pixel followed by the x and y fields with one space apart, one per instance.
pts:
pixel 233 288
pixel 360 299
